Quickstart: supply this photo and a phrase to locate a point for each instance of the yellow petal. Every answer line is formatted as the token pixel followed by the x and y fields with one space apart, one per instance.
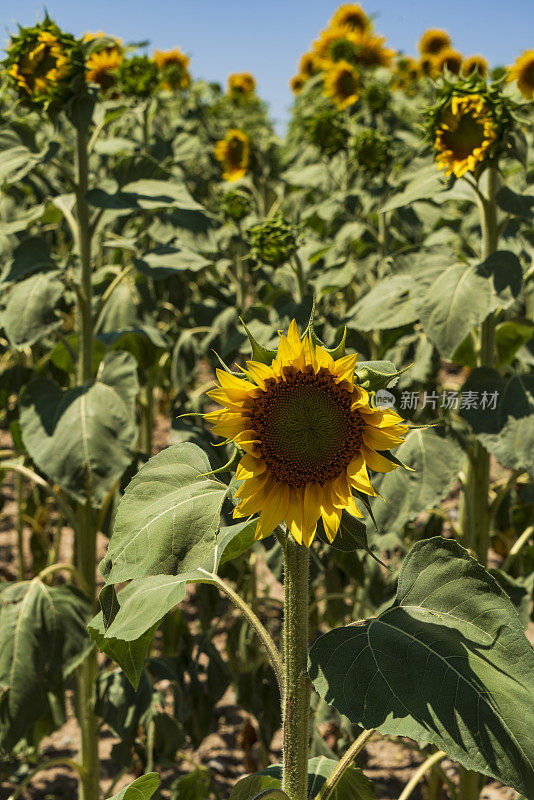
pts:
pixel 377 462
pixel 249 466
pixel 344 368
pixel 380 439
pixel 251 487
pixel 259 372
pixel 274 511
pixel 312 511
pixel 359 477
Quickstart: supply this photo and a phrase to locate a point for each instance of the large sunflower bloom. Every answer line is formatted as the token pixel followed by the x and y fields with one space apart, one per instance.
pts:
pixel 449 59
pixel 342 84
pixel 351 16
pixel 370 51
pixel 44 66
pixel 234 154
pixel 433 41
pixel 308 434
pixel 522 72
pixel 464 135
pixel 174 66
pixel 242 83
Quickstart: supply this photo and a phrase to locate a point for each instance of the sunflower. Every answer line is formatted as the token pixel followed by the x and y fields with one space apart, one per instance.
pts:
pixel 335 44
pixel 297 83
pixel 475 64
pixel 406 73
pixel 234 154
pixel 433 41
pixel 427 66
pixel 309 435
pixel 241 83
pixel 464 135
pixel 522 72
pixel 370 51
pixel 102 67
pixel 308 65
pixel 342 84
pixel 351 16
pixel 449 59
pixel 173 64
pixel 42 67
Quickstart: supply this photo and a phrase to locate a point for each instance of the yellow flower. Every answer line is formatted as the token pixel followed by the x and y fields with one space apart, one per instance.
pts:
pixel 522 72
pixel 242 83
pixel 341 44
pixel 308 434
pixel 449 59
pixel 475 64
pixel 174 66
pixel 342 84
pixel 103 65
pixel 234 153
pixel 297 83
pixel 90 37
pixel 465 134
pixel 44 66
pixel 309 65
pixel 433 41
pixel 406 73
pixel 351 16
pixel 427 66
pixel 371 51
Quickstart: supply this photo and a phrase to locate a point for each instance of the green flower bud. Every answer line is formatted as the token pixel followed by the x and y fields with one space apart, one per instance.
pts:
pixel 139 76
pixel 372 151
pixel 273 241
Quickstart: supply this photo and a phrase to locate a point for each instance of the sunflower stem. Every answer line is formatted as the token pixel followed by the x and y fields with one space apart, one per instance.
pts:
pixel 296 708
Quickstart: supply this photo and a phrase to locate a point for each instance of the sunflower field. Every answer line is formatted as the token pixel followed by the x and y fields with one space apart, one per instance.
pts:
pixel 267 424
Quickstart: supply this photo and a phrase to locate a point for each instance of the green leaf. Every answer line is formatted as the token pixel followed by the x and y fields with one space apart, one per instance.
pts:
pixel 196 785
pixel 144 194
pixel 353 785
pixel 447 663
pixel 375 375
pixel 43 638
pixel 22 222
pixel 513 446
pixel 167 519
pixel 168 260
pixel 18 161
pixel 31 255
pixel 510 336
pixel 505 269
pixel 129 655
pixel 29 314
pixel 519 205
pixel 141 789
pixel 387 305
pixel 482 383
pixel 435 461
pixel 250 786
pixel 426 183
pixel 457 300
pixel 84 438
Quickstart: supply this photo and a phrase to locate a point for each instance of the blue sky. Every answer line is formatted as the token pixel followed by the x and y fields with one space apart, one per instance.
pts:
pixel 266 37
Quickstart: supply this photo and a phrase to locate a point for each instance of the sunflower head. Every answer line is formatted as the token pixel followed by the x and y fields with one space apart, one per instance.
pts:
pixel 241 84
pixel 236 204
pixel 351 16
pixel 173 67
pixel 427 66
pixel 433 41
pixel 469 124
pixel 371 51
pixel 326 130
pixel 234 154
pixel 309 65
pixel 376 96
pixel 342 84
pixel 45 65
pixel 297 83
pixel 273 241
pixel 522 73
pixel 335 44
pixel 138 76
pixel 103 62
pixel 372 151
pixel 450 60
pixel 475 64
pixel 307 435
pixel 406 74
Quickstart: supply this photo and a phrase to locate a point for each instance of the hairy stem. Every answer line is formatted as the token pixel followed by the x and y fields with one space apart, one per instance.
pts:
pixel 418 774
pixel 296 706
pixel 85 322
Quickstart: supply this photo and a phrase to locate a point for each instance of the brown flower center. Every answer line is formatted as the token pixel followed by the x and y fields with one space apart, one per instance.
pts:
pixel 307 431
pixel 468 135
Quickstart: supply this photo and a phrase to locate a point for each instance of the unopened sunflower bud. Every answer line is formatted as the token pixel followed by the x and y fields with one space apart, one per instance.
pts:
pixel 236 204
pixel 139 76
pixel 372 151
pixel 326 131
pixel 273 241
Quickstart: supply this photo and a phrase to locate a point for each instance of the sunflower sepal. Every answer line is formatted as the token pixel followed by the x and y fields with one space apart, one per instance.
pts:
pixel 338 351
pixel 259 353
pixel 375 375
pixel 394 460
pixel 225 367
pixel 230 466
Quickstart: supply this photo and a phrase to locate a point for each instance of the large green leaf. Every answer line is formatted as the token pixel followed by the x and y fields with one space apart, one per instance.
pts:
pixel 168 517
pixel 29 314
pixel 146 194
pixel 436 462
pixel 141 789
pixel 168 260
pixel 447 662
pixel 84 438
pixel 513 446
pixel 353 785
pixel 43 638
pixel 456 300
pixel 17 161
pixel 426 183
pixel 386 306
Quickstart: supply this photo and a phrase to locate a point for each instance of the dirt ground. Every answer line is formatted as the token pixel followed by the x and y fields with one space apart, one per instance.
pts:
pixel 390 764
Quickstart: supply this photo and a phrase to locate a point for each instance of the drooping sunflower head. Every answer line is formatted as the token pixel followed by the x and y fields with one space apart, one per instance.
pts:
pixel 308 435
pixel 103 62
pixel 351 16
pixel 297 83
pixel 522 73
pixel 273 241
pixel 138 76
pixel 44 63
pixel 234 154
pixel 465 134
pixel 475 64
pixel 342 84
pixel 450 60
pixel 241 84
pixel 371 51
pixel 433 41
pixel 173 66
pixel 406 73
pixel 427 66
